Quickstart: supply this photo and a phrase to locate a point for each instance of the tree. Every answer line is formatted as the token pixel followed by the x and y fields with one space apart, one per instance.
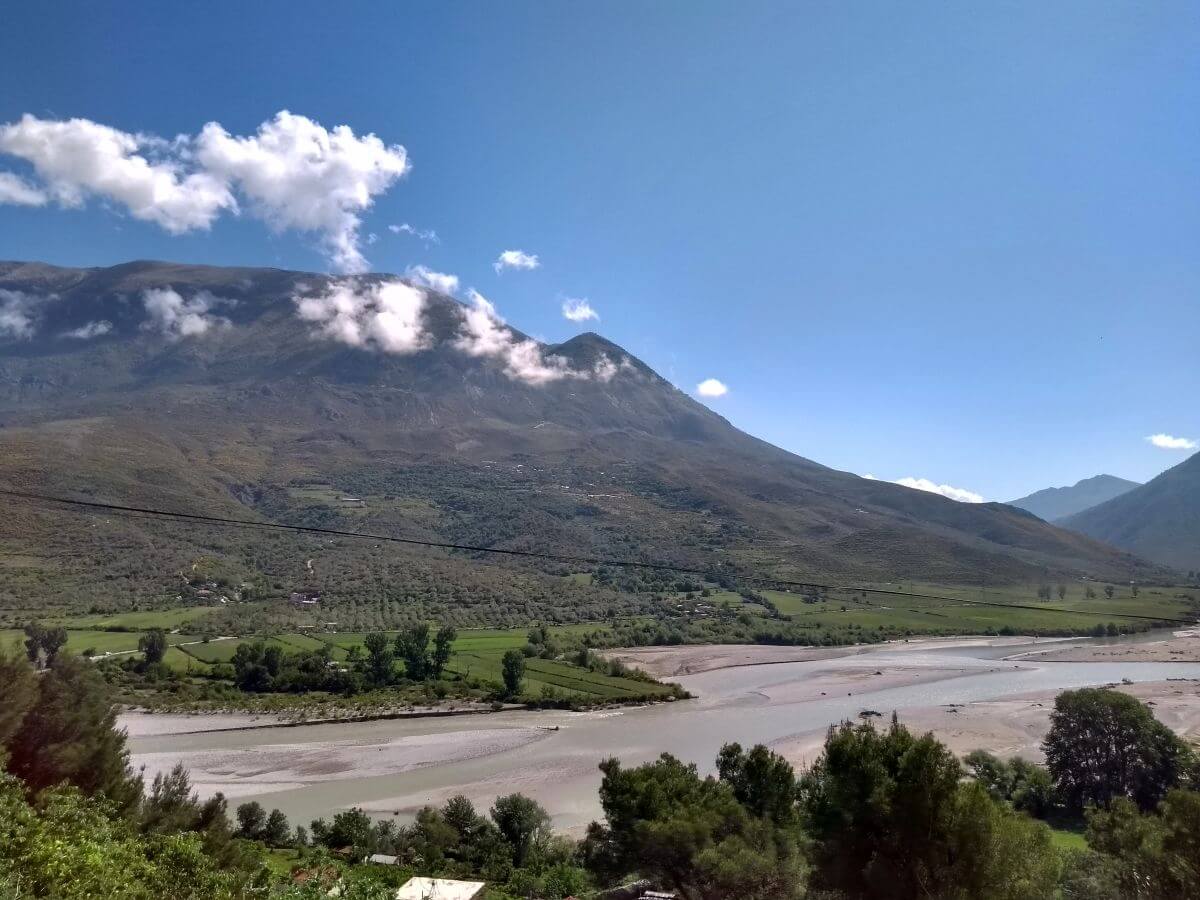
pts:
pixel 889 818
pixel 379 658
pixel 460 813
pixel 153 645
pixel 1089 592
pixel 20 693
pixel 70 734
pixel 664 821
pixel 512 665
pixel 350 828
pixel 39 639
pixel 1152 856
pixel 275 831
pixel 523 823
pixel 251 818
pixel 1109 590
pixel 412 646
pixel 763 782
pixel 1103 744
pixel 1062 592
pixel 442 644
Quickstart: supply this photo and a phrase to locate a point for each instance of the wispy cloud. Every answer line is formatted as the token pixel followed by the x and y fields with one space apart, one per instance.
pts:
pixel 90 330
pixel 578 310
pixel 442 282
pixel 711 387
pixel 946 490
pixel 18 313
pixel 175 317
pixel 428 235
pixel 516 259
pixel 293 174
pixel 1170 442
pixel 19 192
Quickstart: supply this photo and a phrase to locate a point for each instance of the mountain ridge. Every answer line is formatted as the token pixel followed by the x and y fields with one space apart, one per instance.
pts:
pixel 1159 520
pixel 1057 503
pixel 603 457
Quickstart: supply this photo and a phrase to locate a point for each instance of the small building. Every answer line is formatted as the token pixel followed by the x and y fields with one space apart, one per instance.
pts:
pixel 439 889
pixel 382 859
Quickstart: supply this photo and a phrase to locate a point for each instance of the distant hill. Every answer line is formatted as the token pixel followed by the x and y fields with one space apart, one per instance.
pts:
pixel 203 388
pixel 1057 503
pixel 1159 521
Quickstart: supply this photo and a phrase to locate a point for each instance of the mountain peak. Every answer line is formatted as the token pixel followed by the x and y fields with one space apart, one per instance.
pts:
pixel 1056 503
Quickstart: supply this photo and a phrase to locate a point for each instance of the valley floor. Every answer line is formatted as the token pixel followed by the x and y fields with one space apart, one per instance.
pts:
pixel 974 693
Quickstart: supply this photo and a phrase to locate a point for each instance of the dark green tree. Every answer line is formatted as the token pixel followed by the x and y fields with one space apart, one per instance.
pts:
pixel 153 645
pixel 522 822
pixel 379 659
pixel 890 819
pixel 763 782
pixel 70 734
pixel 1104 744
pixel 275 830
pixel 512 666
pixel 1154 856
pixel 20 693
pixel 664 821
pixel 443 643
pixel 251 818
pixel 412 646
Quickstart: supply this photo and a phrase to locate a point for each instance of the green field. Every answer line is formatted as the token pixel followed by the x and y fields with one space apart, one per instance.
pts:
pixel 568 680
pixel 918 608
pixel 99 642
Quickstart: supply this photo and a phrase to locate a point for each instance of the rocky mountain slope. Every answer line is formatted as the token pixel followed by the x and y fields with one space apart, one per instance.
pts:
pixel 1159 521
pixel 260 392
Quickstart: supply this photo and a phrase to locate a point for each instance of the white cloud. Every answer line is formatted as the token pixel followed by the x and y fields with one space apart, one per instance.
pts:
pixel 77 158
pixel 18 313
pixel 578 310
pixel 297 174
pixel 90 330
pixel 946 490
pixel 16 190
pixel 428 235
pixel 442 282
pixel 516 259
pixel 174 317
pixel 386 315
pixel 710 387
pixel 1170 442
pixel 293 174
pixel 486 334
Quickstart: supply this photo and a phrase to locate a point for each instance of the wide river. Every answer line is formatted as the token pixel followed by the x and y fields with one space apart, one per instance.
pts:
pixel 393 767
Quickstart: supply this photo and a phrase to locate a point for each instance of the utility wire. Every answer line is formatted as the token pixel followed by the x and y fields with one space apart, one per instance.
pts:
pixel 222 521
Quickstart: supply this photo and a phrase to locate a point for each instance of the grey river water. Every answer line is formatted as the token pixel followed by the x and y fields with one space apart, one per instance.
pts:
pixel 393 767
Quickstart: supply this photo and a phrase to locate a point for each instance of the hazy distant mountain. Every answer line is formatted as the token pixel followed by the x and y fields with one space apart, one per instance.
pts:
pixel 208 388
pixel 1052 504
pixel 1159 520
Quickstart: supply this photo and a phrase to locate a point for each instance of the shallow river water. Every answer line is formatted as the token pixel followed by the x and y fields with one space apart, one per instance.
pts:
pixel 393 767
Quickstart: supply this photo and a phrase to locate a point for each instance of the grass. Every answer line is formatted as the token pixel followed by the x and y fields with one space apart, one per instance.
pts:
pixel 1065 839
pixel 167 619
pixel 961 612
pixel 80 639
pixel 565 678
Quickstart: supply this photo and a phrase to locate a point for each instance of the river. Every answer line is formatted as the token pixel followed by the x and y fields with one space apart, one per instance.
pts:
pixel 393 767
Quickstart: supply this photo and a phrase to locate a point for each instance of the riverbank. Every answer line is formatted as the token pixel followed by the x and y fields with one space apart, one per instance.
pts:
pixel 964 690
pixel 1181 646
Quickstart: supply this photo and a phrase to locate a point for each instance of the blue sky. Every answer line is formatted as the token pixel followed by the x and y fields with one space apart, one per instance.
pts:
pixel 944 241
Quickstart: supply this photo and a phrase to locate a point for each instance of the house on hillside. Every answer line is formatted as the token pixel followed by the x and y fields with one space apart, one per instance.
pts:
pixel 306 597
pixel 439 889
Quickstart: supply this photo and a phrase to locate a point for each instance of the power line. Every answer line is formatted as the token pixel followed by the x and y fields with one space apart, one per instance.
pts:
pixel 223 521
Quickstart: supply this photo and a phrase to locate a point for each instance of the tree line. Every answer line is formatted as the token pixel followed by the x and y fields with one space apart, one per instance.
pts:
pixel 883 814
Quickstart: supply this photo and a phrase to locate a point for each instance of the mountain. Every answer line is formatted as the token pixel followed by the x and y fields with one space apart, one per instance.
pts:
pixel 274 394
pixel 1159 521
pixel 1057 503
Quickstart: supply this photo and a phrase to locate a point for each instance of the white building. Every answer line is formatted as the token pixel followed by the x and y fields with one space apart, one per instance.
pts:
pixel 439 889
